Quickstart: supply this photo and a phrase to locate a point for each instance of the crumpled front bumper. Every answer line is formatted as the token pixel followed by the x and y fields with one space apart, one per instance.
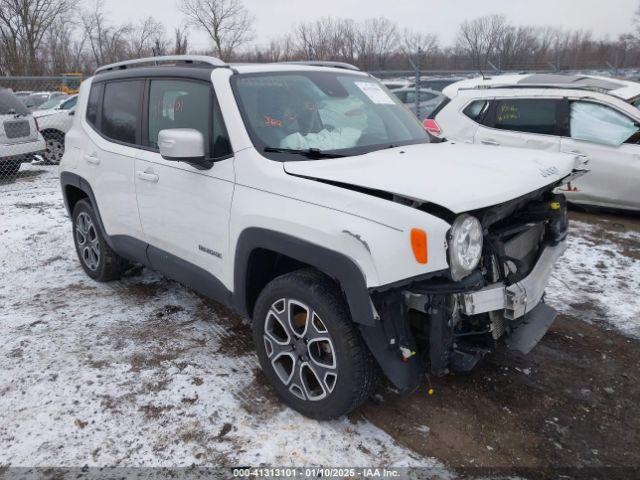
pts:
pixel 518 299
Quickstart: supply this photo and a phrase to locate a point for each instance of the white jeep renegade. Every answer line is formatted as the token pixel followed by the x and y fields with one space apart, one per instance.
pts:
pixel 309 199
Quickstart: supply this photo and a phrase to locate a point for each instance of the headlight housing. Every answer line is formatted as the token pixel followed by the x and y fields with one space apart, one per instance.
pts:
pixel 465 246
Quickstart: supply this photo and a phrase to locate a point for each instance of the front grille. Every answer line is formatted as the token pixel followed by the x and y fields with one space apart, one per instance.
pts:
pixel 17 128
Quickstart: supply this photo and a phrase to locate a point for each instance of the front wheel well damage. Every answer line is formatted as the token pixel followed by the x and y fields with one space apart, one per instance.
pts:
pixel 264 266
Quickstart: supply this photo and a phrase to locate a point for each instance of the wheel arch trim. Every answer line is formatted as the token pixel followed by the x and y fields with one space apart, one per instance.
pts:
pixel 75 180
pixel 338 266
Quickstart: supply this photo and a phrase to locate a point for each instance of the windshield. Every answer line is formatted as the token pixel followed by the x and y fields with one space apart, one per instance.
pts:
pixel 36 99
pixel 50 104
pixel 343 114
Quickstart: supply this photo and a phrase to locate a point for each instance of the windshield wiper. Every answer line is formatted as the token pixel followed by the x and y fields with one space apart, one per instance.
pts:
pixel 314 153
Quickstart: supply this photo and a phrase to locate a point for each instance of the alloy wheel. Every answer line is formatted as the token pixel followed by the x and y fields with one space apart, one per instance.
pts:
pixel 300 349
pixel 87 241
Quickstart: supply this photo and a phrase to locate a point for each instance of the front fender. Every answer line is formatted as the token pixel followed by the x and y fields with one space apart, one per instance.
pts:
pixel 336 265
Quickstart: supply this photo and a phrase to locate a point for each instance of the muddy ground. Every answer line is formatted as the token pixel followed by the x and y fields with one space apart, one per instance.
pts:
pixel 573 402
pixel 144 372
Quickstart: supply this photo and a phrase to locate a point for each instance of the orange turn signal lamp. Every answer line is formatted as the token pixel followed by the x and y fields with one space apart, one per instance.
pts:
pixel 419 245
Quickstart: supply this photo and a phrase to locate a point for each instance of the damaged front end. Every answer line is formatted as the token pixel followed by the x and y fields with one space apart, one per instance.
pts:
pixel 446 324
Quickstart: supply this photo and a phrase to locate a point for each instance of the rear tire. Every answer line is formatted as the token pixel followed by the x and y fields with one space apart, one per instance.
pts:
pixel 309 348
pixel 97 258
pixel 55 147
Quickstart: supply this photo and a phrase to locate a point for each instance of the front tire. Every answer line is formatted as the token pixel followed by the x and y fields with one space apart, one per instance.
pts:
pixel 97 258
pixel 309 348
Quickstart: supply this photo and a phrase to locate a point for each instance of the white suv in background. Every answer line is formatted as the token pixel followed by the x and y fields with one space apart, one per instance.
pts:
pixel 54 123
pixel 595 118
pixel 20 141
pixel 309 199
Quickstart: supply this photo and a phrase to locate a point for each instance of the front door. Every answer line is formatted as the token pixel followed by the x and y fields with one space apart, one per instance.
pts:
pixel 608 139
pixel 185 211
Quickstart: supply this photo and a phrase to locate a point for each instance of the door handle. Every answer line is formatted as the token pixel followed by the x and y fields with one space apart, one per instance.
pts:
pixel 92 159
pixel 490 142
pixel 148 177
pixel 577 154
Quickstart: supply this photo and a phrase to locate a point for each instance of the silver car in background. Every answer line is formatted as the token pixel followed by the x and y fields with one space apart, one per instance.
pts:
pixel 20 140
pixel 428 100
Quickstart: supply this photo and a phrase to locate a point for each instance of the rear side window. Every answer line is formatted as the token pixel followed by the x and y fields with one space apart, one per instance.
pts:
pixel 10 104
pixel 476 110
pixel 121 111
pixel 439 108
pixel 93 104
pixel 69 104
pixel 527 115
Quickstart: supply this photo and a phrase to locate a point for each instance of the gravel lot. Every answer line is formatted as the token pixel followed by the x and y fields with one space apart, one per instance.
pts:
pixel 143 372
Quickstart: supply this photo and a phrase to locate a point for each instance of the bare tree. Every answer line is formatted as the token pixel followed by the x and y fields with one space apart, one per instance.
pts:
pixel 181 41
pixel 227 22
pixel 23 26
pixel 328 38
pixel 147 38
pixel 419 46
pixel 479 38
pixel 378 41
pixel 108 43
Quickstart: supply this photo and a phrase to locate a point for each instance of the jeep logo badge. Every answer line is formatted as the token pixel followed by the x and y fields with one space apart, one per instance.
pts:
pixel 547 172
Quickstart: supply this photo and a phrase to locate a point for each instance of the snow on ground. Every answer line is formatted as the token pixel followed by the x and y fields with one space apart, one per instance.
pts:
pixel 598 278
pixel 141 372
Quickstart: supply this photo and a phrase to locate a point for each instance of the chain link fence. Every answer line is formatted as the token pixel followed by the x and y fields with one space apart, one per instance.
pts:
pixel 37 112
pixel 35 115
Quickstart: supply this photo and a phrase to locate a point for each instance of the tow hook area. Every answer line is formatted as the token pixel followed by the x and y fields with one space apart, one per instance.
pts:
pixel 415 329
pixel 533 327
pixel 392 343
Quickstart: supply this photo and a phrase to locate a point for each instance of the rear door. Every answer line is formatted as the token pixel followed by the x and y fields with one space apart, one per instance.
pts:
pixel 185 211
pixel 523 123
pixel 608 139
pixel 113 127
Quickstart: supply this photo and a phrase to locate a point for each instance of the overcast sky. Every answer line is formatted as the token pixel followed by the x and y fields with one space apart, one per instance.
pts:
pixel 442 17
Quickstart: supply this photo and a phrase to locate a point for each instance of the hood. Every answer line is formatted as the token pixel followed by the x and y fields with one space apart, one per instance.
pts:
pixel 460 178
pixel 44 113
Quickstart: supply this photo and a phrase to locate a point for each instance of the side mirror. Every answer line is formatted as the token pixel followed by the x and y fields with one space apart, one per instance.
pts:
pixel 183 145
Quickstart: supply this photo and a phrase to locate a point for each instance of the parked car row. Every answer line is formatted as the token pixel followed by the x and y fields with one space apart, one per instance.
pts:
pixel 37 134
pixel 20 140
pixel 595 118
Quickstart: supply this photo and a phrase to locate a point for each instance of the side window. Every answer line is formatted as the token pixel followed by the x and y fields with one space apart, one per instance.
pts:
pixel 597 123
pixel 121 110
pixel 187 104
pixel 69 104
pixel 92 104
pixel 477 110
pixel 527 115
pixel 179 104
